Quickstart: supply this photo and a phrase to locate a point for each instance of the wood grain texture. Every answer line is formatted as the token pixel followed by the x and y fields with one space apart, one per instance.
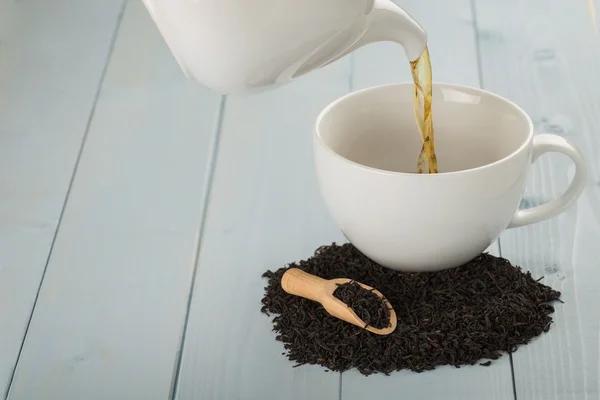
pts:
pixel 265 211
pixel 111 308
pixel 453 59
pixel 545 56
pixel 52 56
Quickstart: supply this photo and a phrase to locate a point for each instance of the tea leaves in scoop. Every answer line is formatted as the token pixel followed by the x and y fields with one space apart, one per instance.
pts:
pixel 369 307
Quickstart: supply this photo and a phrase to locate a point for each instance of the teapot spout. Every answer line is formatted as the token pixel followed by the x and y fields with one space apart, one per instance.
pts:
pixel 390 23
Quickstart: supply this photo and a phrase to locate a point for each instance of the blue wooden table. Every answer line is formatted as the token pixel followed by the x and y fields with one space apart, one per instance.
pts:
pixel 138 210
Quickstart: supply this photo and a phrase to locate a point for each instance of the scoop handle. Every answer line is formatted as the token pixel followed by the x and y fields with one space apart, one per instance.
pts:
pixel 300 283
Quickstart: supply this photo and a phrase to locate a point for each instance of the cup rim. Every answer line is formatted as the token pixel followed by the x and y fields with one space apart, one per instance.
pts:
pixel 347 96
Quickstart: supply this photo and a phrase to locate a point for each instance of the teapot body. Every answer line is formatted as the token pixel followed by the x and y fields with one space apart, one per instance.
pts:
pixel 244 45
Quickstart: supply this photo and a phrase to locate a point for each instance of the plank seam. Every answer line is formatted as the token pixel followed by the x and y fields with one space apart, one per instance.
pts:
pixel 512 373
pixel 477 43
pixel 69 188
pixel 482 86
pixel 212 161
pixel 352 62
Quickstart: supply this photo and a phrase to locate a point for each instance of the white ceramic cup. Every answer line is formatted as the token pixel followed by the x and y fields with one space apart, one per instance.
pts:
pixel 366 146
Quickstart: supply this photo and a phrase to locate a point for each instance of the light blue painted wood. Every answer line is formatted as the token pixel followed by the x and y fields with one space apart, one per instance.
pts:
pixel 265 211
pixel 453 54
pixel 5 5
pixel 110 313
pixel 545 56
pixel 111 309
pixel 265 159
pixel 52 55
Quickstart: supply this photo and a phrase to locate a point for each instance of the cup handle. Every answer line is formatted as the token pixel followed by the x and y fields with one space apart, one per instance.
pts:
pixel 544 143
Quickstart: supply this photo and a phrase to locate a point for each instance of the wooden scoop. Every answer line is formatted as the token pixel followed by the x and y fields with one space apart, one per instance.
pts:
pixel 300 283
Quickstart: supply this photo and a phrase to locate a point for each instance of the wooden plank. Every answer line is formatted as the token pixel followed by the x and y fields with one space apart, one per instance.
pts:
pixel 265 211
pixel 52 56
pixel 111 309
pixel 444 382
pixel 4 16
pixel 454 59
pixel 272 171
pixel 545 56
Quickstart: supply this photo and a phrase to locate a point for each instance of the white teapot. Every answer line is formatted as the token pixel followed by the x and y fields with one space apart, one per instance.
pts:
pixel 245 45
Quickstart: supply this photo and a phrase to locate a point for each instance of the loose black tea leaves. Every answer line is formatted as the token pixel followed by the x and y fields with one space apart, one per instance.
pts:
pixel 460 316
pixel 369 307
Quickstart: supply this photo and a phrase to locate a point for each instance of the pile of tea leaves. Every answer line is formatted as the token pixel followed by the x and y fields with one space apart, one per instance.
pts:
pixel 454 317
